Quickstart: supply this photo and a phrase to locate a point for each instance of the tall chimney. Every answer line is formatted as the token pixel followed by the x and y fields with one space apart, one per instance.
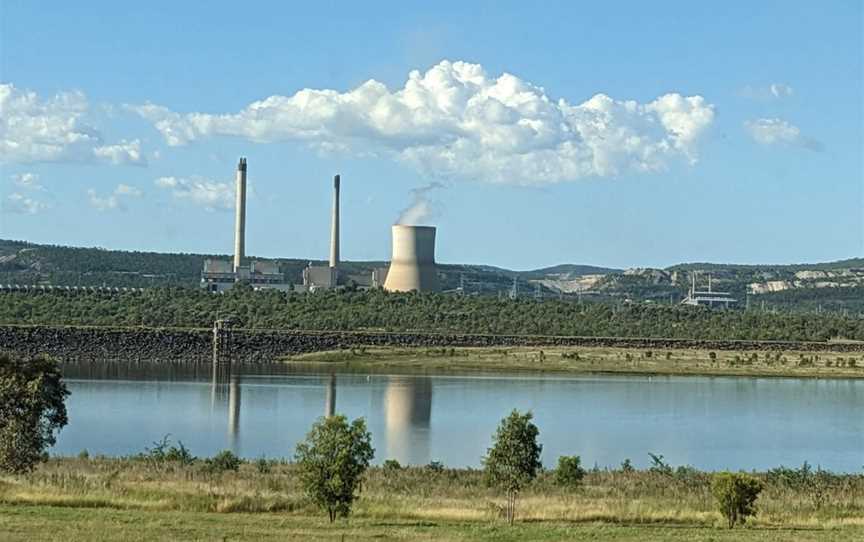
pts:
pixel 240 216
pixel 334 229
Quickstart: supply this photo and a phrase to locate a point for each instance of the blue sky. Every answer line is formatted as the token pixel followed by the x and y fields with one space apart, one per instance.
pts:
pixel 622 134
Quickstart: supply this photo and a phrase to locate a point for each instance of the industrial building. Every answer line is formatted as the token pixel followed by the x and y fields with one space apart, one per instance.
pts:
pixel 220 275
pixel 709 298
pixel 322 277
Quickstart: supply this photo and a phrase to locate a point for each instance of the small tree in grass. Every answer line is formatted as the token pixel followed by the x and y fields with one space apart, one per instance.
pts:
pixel 736 495
pixel 332 461
pixel 32 409
pixel 514 458
pixel 569 472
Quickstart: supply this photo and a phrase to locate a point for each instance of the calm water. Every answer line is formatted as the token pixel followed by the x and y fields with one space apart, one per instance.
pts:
pixel 710 423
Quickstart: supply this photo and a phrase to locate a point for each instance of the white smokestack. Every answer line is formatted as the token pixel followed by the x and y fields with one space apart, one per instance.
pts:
pixel 334 228
pixel 240 216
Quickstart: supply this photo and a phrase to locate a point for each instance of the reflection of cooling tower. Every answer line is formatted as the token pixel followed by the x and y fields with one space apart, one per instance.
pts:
pixel 408 408
pixel 233 409
pixel 413 264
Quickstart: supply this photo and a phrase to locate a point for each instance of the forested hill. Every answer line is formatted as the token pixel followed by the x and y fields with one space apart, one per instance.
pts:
pixel 833 286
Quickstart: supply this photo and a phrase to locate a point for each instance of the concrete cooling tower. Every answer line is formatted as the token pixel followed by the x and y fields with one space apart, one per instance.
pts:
pixel 413 264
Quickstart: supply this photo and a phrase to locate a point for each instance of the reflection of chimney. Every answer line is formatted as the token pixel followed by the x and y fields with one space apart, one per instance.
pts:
pixel 334 228
pixel 240 216
pixel 234 410
pixel 330 399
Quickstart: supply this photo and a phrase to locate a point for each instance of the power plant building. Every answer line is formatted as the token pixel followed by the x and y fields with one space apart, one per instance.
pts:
pixel 412 267
pixel 220 275
pixel 323 277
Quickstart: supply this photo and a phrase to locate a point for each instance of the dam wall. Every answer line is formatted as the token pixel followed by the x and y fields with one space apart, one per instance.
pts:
pixel 266 346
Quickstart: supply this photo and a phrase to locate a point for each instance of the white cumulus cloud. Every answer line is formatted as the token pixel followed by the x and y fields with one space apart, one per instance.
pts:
pixel 114 200
pixel 17 203
pixel 455 120
pixel 33 129
pixel 211 195
pixel 780 132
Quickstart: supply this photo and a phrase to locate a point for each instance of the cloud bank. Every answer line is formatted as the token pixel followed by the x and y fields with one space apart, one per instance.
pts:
pixel 780 132
pixel 455 120
pixel 33 129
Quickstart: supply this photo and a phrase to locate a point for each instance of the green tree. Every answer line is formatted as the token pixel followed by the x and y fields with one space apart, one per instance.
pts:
pixel 736 495
pixel 332 460
pixel 514 458
pixel 569 471
pixel 32 409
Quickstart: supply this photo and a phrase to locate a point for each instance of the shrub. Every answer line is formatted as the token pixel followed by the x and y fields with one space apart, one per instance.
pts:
pixel 627 465
pixel 263 465
pixel 569 471
pixel 332 459
pixel 32 409
pixel 514 458
pixel 435 466
pixel 658 465
pixel 736 495
pixel 222 462
pixel 180 454
pixel 391 464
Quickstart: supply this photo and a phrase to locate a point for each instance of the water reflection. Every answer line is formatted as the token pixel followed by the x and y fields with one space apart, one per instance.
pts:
pixel 225 395
pixel 711 423
pixel 408 413
pixel 330 397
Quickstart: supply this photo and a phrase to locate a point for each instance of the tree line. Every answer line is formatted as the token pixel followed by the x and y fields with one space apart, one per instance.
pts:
pixel 428 312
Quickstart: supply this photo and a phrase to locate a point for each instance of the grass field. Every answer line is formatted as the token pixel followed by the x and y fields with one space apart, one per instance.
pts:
pixel 598 360
pixel 134 499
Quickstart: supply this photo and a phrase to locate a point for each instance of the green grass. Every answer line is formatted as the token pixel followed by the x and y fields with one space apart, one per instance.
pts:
pixel 132 499
pixel 597 360
pixel 38 523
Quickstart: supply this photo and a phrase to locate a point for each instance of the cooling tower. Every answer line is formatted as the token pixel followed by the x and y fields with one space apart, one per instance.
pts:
pixel 240 216
pixel 413 264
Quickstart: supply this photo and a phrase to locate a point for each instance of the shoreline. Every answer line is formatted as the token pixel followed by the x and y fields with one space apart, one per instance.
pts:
pixel 588 361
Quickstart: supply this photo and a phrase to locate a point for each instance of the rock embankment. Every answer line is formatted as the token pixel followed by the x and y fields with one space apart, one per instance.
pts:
pixel 262 346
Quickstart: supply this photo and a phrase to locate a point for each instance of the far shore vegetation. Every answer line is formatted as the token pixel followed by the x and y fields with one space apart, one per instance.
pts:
pixel 375 310
pixel 594 360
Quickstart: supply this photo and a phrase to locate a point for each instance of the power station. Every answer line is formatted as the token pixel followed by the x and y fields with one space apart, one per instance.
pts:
pixel 220 275
pixel 412 266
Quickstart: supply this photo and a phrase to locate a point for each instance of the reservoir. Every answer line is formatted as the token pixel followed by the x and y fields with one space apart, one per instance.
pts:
pixel 712 423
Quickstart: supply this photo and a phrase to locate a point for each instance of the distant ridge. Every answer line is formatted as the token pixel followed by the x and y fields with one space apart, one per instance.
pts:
pixel 837 285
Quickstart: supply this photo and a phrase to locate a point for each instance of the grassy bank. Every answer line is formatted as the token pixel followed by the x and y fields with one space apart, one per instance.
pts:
pixel 133 499
pixel 597 360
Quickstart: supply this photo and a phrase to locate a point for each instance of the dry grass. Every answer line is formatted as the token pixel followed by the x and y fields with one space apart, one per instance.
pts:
pixel 613 497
